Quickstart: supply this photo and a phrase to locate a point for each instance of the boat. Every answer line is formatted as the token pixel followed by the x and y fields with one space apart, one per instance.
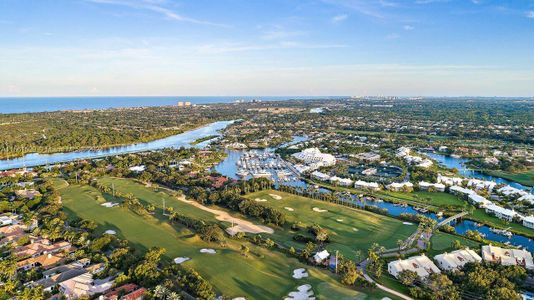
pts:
pixel 440 214
pixel 504 232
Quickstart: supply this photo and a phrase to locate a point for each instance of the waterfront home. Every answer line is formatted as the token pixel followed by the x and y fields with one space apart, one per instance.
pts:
pixel 5 220
pixel 507 257
pixel 511 191
pixel 455 260
pixel 460 191
pixel 527 198
pixel 340 181
pixel 320 176
pixel 500 212
pixel 403 151
pixel 481 184
pixel 368 156
pixel 528 222
pixel 478 200
pixel 137 169
pixel 373 186
pixel 421 265
pixel 450 181
pixel 425 186
pixel 27 194
pixel 400 186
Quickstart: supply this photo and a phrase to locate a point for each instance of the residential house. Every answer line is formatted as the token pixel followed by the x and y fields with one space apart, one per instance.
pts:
pixel 501 212
pixel 421 265
pixel 507 257
pixel 457 259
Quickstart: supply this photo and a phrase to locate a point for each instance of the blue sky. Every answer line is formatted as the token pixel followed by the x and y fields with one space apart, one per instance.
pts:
pixel 266 47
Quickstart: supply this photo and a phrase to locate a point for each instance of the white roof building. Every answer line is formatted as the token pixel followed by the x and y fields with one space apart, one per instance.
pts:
pixel 507 257
pixel 137 169
pixel 398 186
pixel 528 222
pixel 320 256
pixel 450 180
pixel 423 185
pixel 500 212
pixel 456 259
pixel 314 156
pixel 320 176
pixel 421 265
pixel 528 198
pixel 5 220
pixel 479 200
pixel 511 191
pixel 458 190
pixel 478 184
pixel 360 184
pixel 341 181
pixel 403 151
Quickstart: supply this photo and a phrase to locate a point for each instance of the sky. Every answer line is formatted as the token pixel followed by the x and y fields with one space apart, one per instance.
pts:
pixel 266 47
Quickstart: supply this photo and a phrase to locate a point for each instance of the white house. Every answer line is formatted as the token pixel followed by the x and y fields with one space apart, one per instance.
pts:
pixel 478 184
pixel 511 191
pixel 528 222
pixel 400 186
pixel 421 265
pixel 341 181
pixel 457 259
pixel 320 176
pixel 479 200
pixel 507 257
pixel 425 186
pixel 360 184
pixel 501 212
pixel 527 198
pixel 137 169
pixel 5 220
pixel 460 191
pixel 314 156
pixel 320 256
pixel 449 181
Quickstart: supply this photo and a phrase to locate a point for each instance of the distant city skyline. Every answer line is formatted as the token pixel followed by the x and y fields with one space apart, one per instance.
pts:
pixel 277 47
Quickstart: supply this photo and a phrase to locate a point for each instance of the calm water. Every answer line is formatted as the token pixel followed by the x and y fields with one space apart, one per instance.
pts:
pixel 180 140
pixel 459 163
pixel 40 104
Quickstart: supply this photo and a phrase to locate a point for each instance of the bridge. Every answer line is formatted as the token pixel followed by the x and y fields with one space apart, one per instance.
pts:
pixel 450 219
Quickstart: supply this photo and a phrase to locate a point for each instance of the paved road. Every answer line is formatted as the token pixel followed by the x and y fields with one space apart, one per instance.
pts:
pixel 363 268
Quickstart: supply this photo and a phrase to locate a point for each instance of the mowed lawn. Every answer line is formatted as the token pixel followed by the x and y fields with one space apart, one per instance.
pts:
pixel 427 198
pixel 263 275
pixel 443 242
pixel 349 229
pixel 525 178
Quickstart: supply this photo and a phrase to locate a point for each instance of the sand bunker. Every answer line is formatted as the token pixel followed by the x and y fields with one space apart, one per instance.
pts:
pixel 208 251
pixel 339 220
pixel 112 232
pixel 180 260
pixel 276 197
pixel 407 223
pixel 289 208
pixel 355 229
pixel 304 292
pixel 386 298
pixel 240 225
pixel 260 200
pixel 317 209
pixel 240 298
pixel 300 273
pixel 109 204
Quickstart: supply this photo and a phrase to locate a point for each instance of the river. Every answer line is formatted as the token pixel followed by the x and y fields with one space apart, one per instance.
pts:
pixel 176 141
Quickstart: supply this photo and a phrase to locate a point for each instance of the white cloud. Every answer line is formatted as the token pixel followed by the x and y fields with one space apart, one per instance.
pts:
pixel 156 6
pixel 339 18
pixel 278 34
pixel 408 27
pixel 530 14
pixel 392 36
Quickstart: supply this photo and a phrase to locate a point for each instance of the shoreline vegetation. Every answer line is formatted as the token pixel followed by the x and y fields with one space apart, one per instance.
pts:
pixel 525 178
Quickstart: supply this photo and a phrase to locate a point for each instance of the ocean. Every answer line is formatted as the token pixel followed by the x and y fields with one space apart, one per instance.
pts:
pixel 10 105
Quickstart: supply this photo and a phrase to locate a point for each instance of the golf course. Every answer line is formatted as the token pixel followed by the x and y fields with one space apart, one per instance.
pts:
pixel 349 229
pixel 263 274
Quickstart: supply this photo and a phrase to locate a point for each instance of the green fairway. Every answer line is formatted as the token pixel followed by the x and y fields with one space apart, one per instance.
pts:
pixel 263 275
pixel 349 229
pixel 427 198
pixel 442 242
pixel 524 178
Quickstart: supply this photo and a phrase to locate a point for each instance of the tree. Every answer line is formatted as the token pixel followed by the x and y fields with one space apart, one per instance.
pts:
pixel 442 288
pixel 407 277
pixel 244 250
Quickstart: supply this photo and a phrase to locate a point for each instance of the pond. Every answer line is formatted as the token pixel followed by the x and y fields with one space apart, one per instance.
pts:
pixel 176 141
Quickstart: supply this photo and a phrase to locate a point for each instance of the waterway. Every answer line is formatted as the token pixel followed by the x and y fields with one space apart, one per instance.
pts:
pixel 176 141
pixel 228 168
pixel 459 164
